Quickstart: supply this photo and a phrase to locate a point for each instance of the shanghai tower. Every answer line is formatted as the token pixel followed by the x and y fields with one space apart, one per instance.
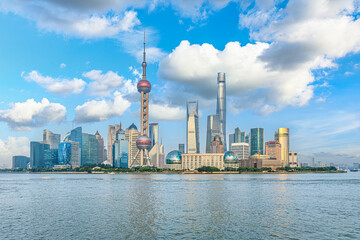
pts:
pixel 221 106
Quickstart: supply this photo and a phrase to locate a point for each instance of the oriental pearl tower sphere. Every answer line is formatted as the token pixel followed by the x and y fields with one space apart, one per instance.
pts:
pixel 143 142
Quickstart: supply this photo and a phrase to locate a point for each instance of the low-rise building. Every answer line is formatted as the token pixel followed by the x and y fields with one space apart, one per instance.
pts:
pixel 293 160
pixel 262 161
pixel 191 161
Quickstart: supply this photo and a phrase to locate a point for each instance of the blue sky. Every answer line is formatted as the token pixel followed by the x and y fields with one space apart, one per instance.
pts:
pixel 289 64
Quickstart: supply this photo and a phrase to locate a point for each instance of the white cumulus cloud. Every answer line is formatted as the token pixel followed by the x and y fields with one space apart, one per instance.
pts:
pixel 13 146
pixel 305 32
pixel 103 84
pixel 55 85
pixel 101 110
pixel 249 81
pixel 24 115
pixel 103 26
pixel 165 112
pixel 75 18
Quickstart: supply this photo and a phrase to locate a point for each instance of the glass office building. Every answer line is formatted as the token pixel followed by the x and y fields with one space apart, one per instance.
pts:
pixel 51 157
pixel 257 141
pixel 64 153
pixel 20 162
pixel 89 149
pixel 213 129
pixel 121 150
pixel 37 150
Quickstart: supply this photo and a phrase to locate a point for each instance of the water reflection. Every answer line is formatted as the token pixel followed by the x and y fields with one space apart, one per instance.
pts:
pixel 159 206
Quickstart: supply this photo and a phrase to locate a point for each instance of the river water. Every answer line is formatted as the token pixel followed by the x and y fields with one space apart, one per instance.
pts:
pixel 161 206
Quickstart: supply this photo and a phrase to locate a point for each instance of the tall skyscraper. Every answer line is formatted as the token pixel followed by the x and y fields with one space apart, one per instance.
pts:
pixel 182 147
pixel 154 133
pixel 284 141
pixel 89 149
pixel 143 142
pixel 121 150
pixel 221 106
pixel 64 153
pixel 257 141
pixel 236 137
pixel 113 129
pixel 231 140
pixel 37 154
pixel 161 156
pixel 131 134
pixel 192 127
pixel 247 138
pixel 75 136
pixel 242 137
pixel 51 138
pixel 51 157
pixel 75 154
pixel 276 136
pixel 213 129
pixel 101 152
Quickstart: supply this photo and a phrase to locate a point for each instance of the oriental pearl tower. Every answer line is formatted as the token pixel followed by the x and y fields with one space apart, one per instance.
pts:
pixel 143 142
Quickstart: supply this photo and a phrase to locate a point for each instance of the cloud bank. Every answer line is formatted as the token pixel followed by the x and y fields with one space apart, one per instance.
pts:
pixel 25 115
pixel 277 70
pixel 55 85
pixel 101 110
pixel 11 147
pixel 248 78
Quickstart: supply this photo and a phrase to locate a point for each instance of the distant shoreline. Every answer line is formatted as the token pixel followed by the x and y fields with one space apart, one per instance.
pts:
pixel 170 172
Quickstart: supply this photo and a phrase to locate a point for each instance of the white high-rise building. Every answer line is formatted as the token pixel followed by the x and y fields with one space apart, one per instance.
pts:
pixel 51 138
pixel 293 160
pixel 192 127
pixel 131 134
pixel 113 129
pixel 241 149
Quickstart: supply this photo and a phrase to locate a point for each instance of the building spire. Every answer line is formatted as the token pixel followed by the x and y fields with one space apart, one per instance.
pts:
pixel 144 61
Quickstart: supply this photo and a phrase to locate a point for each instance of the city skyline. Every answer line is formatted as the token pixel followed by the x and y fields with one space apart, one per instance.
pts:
pixel 66 76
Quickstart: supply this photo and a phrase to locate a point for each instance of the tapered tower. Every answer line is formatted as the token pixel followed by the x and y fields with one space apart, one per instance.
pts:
pixel 221 106
pixel 143 142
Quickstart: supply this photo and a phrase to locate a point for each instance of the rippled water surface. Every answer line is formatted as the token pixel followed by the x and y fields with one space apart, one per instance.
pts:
pixel 160 206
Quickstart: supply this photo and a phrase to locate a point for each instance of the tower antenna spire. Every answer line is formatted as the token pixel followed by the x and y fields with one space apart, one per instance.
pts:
pixel 144 60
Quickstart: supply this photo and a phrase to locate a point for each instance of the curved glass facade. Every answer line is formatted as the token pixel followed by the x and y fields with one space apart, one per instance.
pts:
pixel 173 157
pixel 64 153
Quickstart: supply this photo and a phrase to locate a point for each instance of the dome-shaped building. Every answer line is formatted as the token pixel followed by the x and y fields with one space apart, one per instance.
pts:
pixel 174 160
pixel 230 157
